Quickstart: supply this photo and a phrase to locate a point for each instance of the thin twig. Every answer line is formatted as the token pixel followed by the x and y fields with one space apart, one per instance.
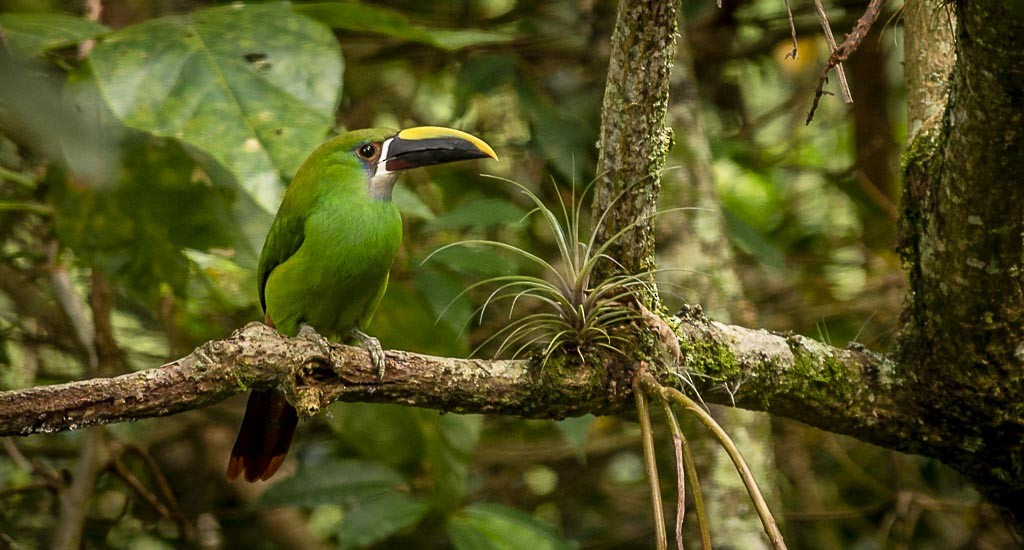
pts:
pixel 677 447
pixel 93 12
pixel 74 499
pixel 71 303
pixel 126 475
pixel 184 527
pixel 647 434
pixel 842 52
pixel 792 31
pixel 23 206
pixel 94 456
pixel 826 27
pixel 15 455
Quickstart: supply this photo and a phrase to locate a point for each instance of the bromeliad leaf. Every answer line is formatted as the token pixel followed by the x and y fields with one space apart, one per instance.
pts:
pixel 235 82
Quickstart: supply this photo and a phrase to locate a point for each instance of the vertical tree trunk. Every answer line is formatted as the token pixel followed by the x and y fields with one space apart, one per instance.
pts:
pixel 634 138
pixel 963 215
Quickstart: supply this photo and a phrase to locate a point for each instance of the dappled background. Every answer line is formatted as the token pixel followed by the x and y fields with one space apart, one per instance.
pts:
pixel 144 147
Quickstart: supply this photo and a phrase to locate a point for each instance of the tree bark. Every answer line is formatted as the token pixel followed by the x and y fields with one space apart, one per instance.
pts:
pixel 843 390
pixel 961 353
pixel 634 138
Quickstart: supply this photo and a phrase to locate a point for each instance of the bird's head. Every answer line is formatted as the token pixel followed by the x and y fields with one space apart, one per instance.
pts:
pixel 383 153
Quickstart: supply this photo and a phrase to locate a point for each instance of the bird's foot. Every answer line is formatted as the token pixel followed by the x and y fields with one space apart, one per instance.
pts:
pixel 307 332
pixel 372 346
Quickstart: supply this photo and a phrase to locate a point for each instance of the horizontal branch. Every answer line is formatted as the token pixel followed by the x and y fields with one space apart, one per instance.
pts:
pixel 844 390
pixel 852 390
pixel 257 356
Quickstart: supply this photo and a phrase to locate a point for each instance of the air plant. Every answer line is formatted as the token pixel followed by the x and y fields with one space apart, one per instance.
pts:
pixel 580 312
pixel 577 311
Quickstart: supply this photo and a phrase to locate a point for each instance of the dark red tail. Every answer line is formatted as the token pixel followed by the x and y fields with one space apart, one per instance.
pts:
pixel 264 437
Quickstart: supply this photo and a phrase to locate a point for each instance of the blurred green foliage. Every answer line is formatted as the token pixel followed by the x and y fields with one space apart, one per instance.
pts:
pixel 153 158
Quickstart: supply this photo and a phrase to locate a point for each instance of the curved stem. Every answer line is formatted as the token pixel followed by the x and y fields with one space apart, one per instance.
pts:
pixel 770 527
pixel 686 458
pixel 644 416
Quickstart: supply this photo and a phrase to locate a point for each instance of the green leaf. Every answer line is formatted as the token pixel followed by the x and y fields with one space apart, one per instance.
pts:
pixel 33 34
pixel 559 131
pixel 576 430
pixel 401 318
pixel 449 443
pixel 479 214
pixel 34 100
pixel 358 17
pixel 456 39
pixel 137 229
pixel 342 481
pixel 409 203
pixel 377 517
pixel 254 86
pixel 441 290
pixel 497 527
pixel 415 440
pixel 389 433
pixel 748 238
pixel 483 75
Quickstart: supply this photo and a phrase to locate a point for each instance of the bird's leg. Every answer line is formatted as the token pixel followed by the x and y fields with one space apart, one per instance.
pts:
pixel 307 332
pixel 372 346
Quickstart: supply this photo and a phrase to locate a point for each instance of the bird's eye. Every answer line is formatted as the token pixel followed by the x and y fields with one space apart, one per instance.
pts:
pixel 368 151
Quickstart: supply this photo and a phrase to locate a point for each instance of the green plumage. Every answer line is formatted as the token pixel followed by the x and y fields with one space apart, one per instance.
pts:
pixel 326 259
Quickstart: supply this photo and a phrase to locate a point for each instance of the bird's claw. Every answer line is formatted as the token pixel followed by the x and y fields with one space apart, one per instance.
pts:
pixel 307 332
pixel 372 346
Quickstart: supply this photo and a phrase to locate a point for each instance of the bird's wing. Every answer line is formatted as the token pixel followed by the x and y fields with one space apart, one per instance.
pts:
pixel 284 239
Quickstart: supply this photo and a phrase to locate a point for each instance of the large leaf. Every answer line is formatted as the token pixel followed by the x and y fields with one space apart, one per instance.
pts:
pixel 358 17
pixel 338 482
pixel 137 228
pixel 415 440
pixel 32 34
pixel 497 527
pixel 450 442
pixel 254 86
pixel 377 517
pixel 410 204
pixel 576 431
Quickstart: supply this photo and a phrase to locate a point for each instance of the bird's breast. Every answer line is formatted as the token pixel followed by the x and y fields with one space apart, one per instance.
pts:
pixel 337 274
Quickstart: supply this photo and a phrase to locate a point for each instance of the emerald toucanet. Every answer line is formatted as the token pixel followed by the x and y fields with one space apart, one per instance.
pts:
pixel 326 259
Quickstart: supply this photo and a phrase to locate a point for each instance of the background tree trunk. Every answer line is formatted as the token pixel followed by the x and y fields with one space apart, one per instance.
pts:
pixel 962 348
pixel 701 270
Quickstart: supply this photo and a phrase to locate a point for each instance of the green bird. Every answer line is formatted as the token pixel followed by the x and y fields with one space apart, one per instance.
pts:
pixel 326 259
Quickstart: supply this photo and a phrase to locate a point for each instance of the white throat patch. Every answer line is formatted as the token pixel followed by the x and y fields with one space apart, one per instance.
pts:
pixel 382 181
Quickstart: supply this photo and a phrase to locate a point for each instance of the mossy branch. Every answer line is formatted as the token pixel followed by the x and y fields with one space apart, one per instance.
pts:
pixel 782 374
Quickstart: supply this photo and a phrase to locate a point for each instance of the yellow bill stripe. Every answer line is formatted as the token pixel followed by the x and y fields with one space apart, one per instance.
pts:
pixel 434 132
